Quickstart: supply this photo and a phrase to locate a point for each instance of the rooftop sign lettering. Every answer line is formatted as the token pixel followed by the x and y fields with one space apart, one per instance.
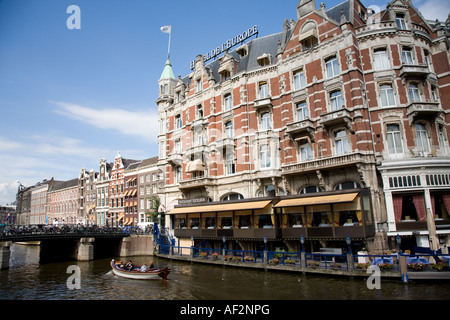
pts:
pixel 241 37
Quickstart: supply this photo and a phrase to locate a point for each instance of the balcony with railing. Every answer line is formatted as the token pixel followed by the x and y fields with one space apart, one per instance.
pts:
pixel 336 117
pixel 423 109
pixel 301 127
pixel 414 70
pixel 324 163
pixel 263 102
pixel 175 158
pixel 199 181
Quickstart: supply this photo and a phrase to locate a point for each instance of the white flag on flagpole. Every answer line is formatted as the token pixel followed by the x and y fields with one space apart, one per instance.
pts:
pixel 166 29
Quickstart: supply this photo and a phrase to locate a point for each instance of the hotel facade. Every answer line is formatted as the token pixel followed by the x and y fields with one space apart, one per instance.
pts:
pixel 334 127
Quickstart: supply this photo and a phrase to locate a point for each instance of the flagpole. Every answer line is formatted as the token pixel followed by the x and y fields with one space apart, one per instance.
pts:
pixel 170 35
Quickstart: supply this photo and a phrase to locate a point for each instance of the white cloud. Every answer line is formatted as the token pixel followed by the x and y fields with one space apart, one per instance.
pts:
pixel 433 9
pixel 143 124
pixel 31 159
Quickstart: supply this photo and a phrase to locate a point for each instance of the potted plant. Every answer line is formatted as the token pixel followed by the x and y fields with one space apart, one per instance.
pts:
pixel 248 258
pixel 214 255
pixel 203 255
pixel 363 266
pixel 336 266
pixel 416 266
pixel 313 264
pixel 274 261
pixel 385 266
pixel 289 261
pixel 440 266
pixel 236 259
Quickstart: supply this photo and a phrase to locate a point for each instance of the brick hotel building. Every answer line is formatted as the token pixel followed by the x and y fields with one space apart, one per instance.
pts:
pixel 334 127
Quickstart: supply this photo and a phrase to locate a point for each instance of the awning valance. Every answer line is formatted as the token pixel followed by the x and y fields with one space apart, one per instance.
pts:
pixel 309 201
pixel 223 207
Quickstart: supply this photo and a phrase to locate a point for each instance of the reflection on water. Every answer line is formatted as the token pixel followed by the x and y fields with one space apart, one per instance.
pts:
pixel 27 279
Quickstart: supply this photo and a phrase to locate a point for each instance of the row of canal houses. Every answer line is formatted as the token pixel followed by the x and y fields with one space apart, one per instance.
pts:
pixel 121 193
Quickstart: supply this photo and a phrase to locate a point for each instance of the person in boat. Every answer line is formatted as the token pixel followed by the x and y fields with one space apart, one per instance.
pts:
pixel 144 268
pixel 129 265
pixel 151 265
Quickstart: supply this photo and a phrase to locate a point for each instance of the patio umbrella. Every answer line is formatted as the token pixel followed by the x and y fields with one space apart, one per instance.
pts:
pixel 434 241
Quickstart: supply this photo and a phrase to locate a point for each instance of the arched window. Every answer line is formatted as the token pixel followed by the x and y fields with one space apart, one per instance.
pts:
pixel 347 185
pixel 233 196
pixel 309 189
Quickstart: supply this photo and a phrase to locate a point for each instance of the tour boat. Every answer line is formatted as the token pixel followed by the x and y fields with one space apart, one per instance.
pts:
pixel 151 274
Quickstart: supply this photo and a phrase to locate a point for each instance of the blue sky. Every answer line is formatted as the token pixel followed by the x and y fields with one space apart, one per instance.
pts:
pixel 71 97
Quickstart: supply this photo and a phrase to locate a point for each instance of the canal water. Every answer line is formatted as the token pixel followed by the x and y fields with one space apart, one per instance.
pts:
pixel 28 280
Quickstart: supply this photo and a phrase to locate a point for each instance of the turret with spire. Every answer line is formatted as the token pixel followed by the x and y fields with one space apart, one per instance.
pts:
pixel 167 83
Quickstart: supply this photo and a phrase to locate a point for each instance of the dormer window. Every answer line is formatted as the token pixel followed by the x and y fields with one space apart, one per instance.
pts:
pixel 225 75
pixel 198 85
pixel 242 50
pixel 178 96
pixel 400 21
pixel 264 60
pixel 308 36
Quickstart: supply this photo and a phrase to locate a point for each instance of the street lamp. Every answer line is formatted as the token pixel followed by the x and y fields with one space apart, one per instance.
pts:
pixel 349 242
pixel 265 243
pixel 192 241
pixel 399 241
pixel 302 241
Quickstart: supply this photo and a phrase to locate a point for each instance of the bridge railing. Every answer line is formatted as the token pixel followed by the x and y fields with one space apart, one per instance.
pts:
pixel 15 231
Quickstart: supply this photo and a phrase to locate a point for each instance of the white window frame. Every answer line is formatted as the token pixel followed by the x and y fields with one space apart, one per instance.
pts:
pixel 265 123
pixel 332 67
pixel 407 55
pixel 178 121
pixel 299 79
pixel 336 100
pixel 394 139
pixel 422 142
pixel 263 89
pixel 302 111
pixel 381 59
pixel 264 156
pixel 413 92
pixel 387 97
pixel 230 166
pixel 305 152
pixel 342 143
pixel 400 21
pixel 227 102
pixel 198 85
pixel 228 129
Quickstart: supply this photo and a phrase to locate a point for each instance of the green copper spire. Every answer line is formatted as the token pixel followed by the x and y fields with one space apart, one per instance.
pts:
pixel 167 72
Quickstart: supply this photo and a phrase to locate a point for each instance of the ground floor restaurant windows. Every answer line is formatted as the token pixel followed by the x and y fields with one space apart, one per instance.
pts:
pixel 333 214
pixel 338 214
pixel 411 207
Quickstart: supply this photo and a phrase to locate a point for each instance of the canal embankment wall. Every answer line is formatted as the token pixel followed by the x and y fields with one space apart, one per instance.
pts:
pixel 349 269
